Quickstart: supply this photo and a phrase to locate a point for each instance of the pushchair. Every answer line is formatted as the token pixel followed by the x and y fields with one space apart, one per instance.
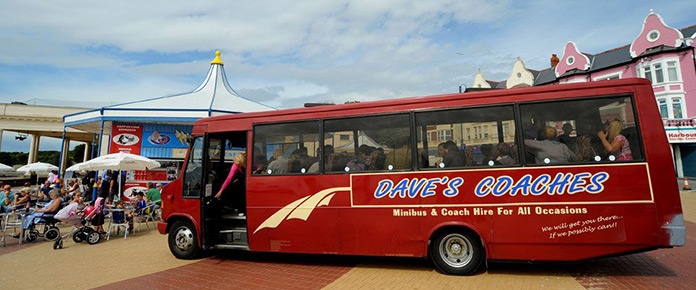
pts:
pixel 80 221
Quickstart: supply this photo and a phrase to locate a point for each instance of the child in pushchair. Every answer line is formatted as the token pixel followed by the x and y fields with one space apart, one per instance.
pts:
pixel 79 219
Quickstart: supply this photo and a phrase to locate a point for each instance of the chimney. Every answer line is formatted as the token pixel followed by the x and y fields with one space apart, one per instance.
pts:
pixel 554 60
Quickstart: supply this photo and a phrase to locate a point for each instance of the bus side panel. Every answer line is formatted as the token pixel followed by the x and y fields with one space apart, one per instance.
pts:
pixel 289 219
pixel 292 214
pixel 604 229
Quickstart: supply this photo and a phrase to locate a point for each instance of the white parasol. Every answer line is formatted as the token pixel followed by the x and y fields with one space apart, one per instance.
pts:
pixel 4 167
pixel 38 167
pixel 117 161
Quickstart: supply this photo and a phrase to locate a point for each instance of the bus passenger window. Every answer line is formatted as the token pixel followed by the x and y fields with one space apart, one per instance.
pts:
pixel 580 131
pixel 374 143
pixel 286 148
pixel 467 137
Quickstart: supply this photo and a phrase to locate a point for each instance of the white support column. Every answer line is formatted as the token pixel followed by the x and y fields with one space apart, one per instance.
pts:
pixel 88 151
pixel 34 148
pixel 106 138
pixel 1 132
pixel 66 152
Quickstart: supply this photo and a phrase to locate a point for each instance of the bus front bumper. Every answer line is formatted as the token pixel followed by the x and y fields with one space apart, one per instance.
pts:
pixel 162 227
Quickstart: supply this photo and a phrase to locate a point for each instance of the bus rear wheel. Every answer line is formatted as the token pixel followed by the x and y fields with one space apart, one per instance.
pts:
pixel 457 253
pixel 183 240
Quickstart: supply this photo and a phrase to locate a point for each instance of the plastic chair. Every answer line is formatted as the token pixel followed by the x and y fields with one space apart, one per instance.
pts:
pixel 145 215
pixel 118 221
pixel 11 221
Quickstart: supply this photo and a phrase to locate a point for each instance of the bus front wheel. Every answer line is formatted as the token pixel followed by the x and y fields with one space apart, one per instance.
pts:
pixel 457 253
pixel 183 240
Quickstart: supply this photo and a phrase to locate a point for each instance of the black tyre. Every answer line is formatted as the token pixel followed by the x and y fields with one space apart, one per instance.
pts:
pixel 31 236
pixel 60 243
pixel 457 253
pixel 52 234
pixel 183 240
pixel 93 238
pixel 79 236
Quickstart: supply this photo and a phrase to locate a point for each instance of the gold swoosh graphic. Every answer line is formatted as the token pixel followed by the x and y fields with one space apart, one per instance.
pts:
pixel 301 208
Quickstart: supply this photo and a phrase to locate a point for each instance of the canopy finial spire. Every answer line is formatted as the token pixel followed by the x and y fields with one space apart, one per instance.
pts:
pixel 217 59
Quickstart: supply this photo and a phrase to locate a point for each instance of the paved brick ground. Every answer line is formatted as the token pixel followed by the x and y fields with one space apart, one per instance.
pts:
pixel 143 261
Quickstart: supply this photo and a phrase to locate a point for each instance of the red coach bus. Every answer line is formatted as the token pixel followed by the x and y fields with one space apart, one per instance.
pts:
pixel 553 173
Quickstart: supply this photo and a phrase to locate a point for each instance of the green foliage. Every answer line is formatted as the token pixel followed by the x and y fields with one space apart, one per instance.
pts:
pixel 52 157
pixel 13 158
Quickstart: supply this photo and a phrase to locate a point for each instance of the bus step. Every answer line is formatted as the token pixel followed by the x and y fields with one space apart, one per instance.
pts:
pixel 230 247
pixel 234 236
pixel 231 216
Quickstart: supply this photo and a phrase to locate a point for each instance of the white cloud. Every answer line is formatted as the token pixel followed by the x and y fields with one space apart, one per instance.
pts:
pixel 286 53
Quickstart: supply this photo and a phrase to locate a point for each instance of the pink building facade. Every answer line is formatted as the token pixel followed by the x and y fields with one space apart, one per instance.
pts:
pixel 660 53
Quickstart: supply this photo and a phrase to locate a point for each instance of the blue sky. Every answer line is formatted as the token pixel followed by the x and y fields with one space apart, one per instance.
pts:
pixel 286 53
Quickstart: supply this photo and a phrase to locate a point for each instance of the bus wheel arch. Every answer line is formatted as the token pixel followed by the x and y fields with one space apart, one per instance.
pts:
pixel 457 250
pixel 183 240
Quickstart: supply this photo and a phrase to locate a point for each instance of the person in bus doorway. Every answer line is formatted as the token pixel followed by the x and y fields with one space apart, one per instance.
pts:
pixel 235 178
pixel 549 151
pixel 618 146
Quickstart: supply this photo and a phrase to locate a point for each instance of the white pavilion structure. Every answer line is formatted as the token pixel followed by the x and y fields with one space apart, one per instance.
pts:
pixel 156 120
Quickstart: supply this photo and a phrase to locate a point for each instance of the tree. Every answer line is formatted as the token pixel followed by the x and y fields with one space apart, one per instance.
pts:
pixel 78 153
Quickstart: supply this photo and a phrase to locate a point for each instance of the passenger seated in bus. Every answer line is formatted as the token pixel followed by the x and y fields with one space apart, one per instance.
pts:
pixel 279 165
pixel 565 138
pixel 378 159
pixel 363 160
pixel 325 153
pixel 299 159
pixel 452 157
pixel 469 156
pixel 502 154
pixel 235 179
pixel 488 155
pixel 259 164
pixel 400 156
pixel 618 147
pixel 423 161
pixel 548 151
pixel 336 162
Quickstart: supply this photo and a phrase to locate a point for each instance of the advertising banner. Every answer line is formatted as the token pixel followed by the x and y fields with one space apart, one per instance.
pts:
pixel 126 138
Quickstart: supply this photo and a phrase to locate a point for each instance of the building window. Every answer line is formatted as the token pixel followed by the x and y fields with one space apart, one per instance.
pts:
pixel 570 60
pixel 672 71
pixel 662 103
pixel 677 108
pixel 653 35
pixel 671 107
pixel 444 135
pixel 608 77
pixel 657 70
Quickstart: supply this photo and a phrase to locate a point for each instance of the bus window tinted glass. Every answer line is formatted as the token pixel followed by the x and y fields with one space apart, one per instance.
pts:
pixel 580 131
pixel 194 170
pixel 288 148
pixel 467 137
pixel 368 144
